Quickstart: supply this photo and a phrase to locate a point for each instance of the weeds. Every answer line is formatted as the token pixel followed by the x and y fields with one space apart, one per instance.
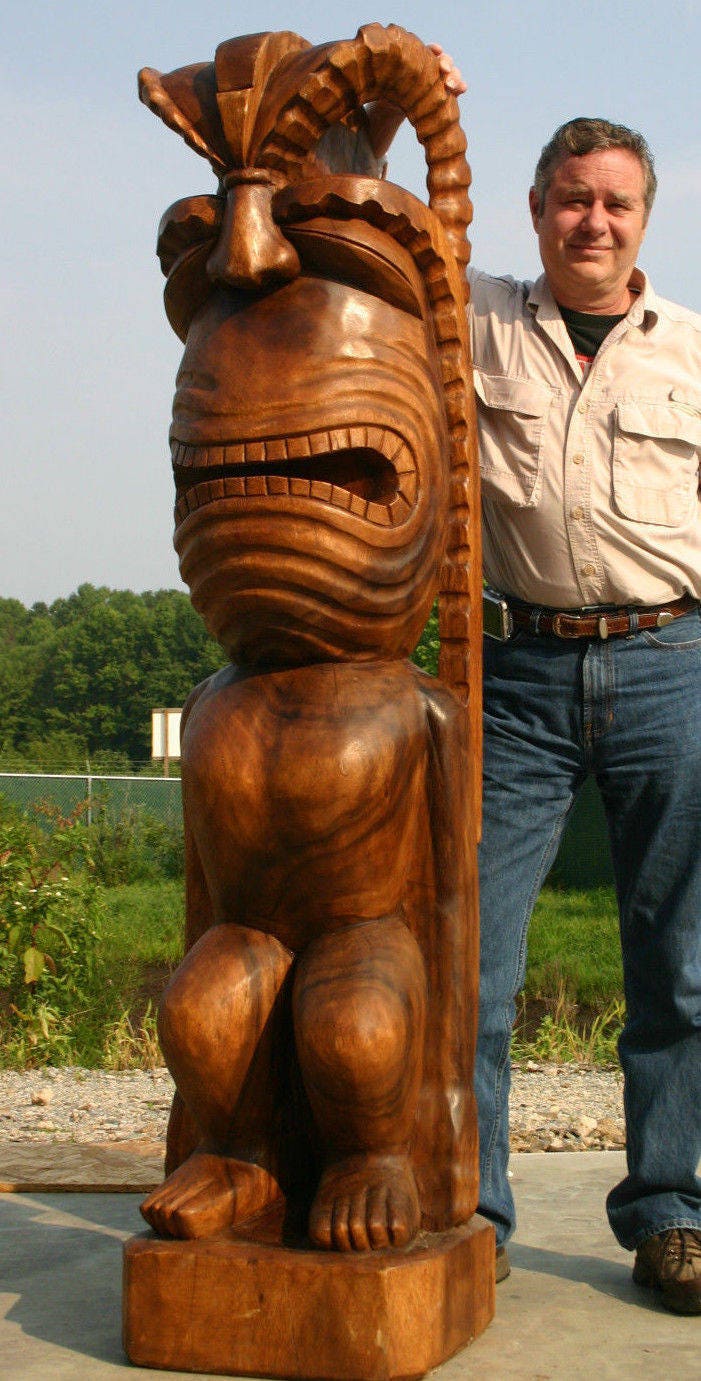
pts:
pixel 132 845
pixel 130 1046
pixel 561 1039
pixel 50 940
pixel 86 948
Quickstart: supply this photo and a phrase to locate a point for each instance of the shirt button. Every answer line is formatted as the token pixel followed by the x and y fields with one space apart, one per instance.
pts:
pixel 578 458
pixel 581 407
pixel 588 570
pixel 577 512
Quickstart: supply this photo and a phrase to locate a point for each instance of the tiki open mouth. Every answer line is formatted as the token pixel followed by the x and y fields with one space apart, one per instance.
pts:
pixel 367 471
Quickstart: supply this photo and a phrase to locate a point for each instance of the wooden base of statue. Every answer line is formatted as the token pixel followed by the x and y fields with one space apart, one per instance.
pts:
pixel 320 1029
pixel 244 1308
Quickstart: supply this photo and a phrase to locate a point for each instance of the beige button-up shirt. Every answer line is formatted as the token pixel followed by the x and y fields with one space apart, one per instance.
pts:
pixel 590 479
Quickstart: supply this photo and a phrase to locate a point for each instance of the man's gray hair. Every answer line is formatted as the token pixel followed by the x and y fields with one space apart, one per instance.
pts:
pixel 584 135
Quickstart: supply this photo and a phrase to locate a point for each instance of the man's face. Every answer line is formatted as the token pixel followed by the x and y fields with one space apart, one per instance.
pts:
pixel 591 228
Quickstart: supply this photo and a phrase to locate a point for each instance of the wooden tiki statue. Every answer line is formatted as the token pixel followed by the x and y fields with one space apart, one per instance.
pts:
pixel 320 1029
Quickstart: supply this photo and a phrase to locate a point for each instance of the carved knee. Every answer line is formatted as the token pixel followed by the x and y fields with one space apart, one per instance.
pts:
pixel 359 1013
pixel 357 1037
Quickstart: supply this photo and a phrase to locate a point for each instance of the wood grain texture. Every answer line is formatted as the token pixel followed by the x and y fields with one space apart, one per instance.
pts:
pixel 240 1309
pixel 320 1030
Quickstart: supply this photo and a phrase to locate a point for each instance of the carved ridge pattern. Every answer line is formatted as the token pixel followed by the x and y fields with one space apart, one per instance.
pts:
pixel 434 116
pixel 154 95
pixel 460 582
pixel 208 473
pixel 369 67
pixel 330 82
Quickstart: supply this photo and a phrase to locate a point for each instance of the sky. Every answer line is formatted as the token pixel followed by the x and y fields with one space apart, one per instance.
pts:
pixel 87 359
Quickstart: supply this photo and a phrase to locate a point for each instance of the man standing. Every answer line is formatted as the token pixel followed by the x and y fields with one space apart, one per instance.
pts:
pixel 589 398
pixel 589 409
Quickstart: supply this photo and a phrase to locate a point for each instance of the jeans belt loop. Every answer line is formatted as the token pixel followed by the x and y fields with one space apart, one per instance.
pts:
pixel 535 617
pixel 633 621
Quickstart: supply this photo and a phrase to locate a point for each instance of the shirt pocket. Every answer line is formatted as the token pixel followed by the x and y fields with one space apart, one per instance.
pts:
pixel 511 420
pixel 656 451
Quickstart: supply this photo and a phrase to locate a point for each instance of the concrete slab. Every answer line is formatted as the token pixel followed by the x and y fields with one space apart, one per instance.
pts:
pixel 569 1309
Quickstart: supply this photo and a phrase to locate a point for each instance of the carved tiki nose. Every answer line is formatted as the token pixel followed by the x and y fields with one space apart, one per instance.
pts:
pixel 251 252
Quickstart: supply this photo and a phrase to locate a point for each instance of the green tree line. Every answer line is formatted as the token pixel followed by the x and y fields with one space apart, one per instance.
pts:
pixel 79 677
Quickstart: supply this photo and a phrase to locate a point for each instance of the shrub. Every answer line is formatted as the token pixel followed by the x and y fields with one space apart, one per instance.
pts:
pixel 50 940
pixel 426 654
pixel 131 845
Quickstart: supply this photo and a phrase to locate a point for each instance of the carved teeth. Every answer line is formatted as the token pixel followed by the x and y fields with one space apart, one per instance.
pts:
pixel 222 460
pixel 399 509
pixel 298 447
pixel 379 513
pixel 320 443
pixel 276 450
pixel 340 440
pixel 301 488
pixel 340 498
pixel 321 489
pixel 278 484
pixel 407 487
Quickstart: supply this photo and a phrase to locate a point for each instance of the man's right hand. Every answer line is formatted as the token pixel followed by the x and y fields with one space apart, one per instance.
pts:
pixel 384 118
pixel 452 76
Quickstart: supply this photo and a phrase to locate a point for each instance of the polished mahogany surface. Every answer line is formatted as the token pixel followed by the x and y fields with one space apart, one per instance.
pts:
pixel 320 1029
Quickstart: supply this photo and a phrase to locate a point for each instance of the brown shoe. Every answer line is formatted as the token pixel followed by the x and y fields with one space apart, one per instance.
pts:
pixel 671 1262
pixel 503 1264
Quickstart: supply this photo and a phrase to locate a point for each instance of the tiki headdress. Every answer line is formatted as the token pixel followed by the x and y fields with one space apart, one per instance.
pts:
pixel 355 461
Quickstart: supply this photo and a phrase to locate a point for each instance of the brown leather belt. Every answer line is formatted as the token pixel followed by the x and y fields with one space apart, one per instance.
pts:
pixel 597 623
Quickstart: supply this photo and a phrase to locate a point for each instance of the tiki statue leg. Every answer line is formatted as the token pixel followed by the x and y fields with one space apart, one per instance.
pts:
pixel 219 1016
pixel 359 1012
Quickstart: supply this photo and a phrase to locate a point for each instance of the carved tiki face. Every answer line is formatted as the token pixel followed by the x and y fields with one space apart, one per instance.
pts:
pixel 310 441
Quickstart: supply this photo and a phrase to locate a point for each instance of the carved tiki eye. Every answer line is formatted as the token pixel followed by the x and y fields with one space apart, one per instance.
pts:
pixel 325 478
pixel 311 456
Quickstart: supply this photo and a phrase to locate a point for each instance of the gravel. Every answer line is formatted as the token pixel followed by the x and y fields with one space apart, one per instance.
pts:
pixel 553 1107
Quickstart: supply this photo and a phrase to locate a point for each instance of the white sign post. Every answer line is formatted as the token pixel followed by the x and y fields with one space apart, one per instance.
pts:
pixel 165 736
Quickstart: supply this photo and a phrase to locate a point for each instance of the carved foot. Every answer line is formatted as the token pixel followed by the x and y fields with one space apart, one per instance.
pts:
pixel 207 1194
pixel 365 1202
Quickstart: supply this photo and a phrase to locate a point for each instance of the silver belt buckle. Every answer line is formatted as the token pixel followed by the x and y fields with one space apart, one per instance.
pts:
pixel 603 627
pixel 664 616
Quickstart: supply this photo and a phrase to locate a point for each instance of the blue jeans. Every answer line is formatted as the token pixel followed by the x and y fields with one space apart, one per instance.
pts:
pixel 627 710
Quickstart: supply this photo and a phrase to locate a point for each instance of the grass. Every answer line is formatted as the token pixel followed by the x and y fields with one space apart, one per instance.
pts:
pixel 112 1025
pixel 573 939
pixel 561 1038
pixel 574 947
pixel 145 924
pixel 143 932
pixel 572 1007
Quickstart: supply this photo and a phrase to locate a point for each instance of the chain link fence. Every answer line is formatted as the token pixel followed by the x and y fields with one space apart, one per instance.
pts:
pixel 65 792
pixel 583 862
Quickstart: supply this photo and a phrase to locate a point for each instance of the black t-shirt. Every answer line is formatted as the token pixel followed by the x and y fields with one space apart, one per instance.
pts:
pixel 587 331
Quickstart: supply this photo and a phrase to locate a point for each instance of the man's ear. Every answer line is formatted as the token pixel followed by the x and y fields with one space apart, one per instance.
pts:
pixel 533 204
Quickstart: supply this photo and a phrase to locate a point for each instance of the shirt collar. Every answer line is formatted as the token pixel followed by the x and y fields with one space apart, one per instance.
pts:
pixel 643 311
